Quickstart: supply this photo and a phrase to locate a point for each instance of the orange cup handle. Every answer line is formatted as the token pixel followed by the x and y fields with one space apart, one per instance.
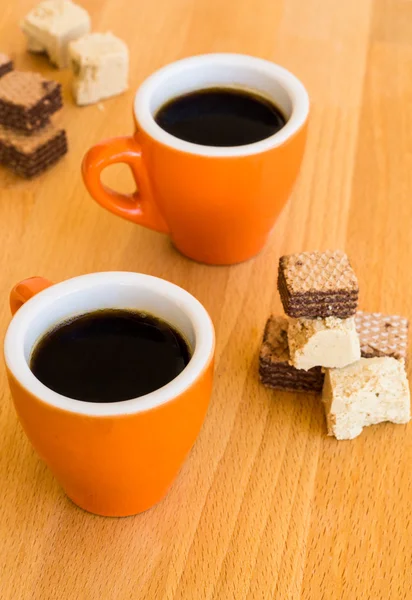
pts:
pixel 25 290
pixel 138 207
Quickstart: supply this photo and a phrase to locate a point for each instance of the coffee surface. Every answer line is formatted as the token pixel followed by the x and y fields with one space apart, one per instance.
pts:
pixel 220 117
pixel 109 356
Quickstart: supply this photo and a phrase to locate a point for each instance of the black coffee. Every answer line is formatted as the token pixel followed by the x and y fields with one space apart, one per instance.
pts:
pixel 220 117
pixel 109 356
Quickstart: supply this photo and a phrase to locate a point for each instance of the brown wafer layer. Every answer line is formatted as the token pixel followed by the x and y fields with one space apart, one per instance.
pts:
pixel 323 311
pixel 288 373
pixel 289 380
pixel 274 368
pixel 318 284
pixel 27 100
pixel 292 386
pixel 6 64
pixel 382 335
pixel 29 156
pixel 318 304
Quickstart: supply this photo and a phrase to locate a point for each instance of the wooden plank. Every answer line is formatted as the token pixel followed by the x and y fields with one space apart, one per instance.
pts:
pixel 266 505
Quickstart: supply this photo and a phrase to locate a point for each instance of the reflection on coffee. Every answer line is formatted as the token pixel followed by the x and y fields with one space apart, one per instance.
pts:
pixel 109 356
pixel 221 117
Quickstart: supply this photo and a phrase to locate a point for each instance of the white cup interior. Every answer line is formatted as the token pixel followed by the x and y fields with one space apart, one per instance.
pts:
pixel 244 77
pixel 222 70
pixel 101 291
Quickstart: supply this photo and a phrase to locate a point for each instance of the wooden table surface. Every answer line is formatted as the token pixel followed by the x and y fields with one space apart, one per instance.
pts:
pixel 266 505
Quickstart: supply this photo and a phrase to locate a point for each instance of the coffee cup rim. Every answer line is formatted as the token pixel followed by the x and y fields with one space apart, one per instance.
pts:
pixel 17 363
pixel 293 87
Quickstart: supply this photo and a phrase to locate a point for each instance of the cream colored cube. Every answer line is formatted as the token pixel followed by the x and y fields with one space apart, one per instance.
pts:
pixel 370 391
pixel 52 25
pixel 100 65
pixel 328 342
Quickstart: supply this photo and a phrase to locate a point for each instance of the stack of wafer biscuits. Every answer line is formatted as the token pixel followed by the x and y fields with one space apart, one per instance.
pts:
pixel 29 142
pixel 356 359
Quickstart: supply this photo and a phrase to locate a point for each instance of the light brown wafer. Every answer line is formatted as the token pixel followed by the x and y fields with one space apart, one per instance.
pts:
pixel 30 155
pixel 27 143
pixel 382 335
pixel 27 100
pixel 25 88
pixel 318 284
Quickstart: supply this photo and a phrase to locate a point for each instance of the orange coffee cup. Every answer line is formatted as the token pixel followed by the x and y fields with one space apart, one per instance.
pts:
pixel 218 204
pixel 119 458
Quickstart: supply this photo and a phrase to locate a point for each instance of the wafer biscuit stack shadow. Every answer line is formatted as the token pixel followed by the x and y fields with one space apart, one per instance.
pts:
pixel 356 359
pixel 29 141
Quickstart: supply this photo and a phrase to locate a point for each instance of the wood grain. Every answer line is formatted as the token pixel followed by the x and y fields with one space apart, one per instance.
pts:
pixel 266 506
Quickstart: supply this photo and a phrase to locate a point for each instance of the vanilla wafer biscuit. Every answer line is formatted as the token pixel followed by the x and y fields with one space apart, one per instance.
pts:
pixel 31 155
pixel 6 64
pixel 318 284
pixel 27 100
pixel 274 368
pixel 382 335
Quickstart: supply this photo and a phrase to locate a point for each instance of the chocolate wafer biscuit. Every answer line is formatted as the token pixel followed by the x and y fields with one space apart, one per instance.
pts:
pixel 318 284
pixel 31 155
pixel 6 64
pixel 382 335
pixel 274 368
pixel 27 100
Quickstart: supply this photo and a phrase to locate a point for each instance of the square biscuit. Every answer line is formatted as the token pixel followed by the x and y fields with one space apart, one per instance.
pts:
pixel 382 335
pixel 318 284
pixel 30 155
pixel 27 100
